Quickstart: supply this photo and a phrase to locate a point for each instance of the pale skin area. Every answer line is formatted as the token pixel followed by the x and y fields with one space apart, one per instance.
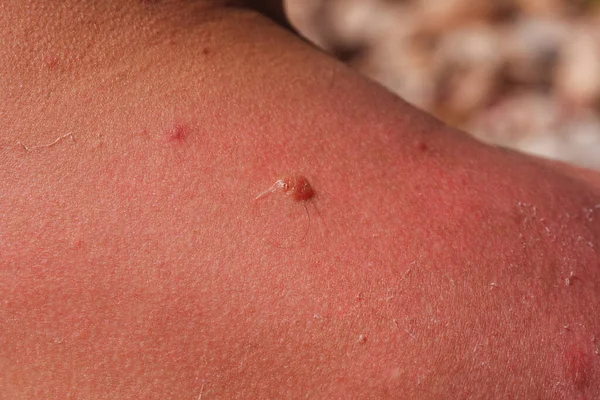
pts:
pixel 136 263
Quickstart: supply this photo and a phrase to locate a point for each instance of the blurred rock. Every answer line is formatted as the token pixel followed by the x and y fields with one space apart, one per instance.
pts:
pixel 578 72
pixel 468 65
pixel 544 8
pixel 516 117
pixel 531 49
pixel 305 15
pixel 353 20
pixel 577 142
pixel 400 58
pixel 437 16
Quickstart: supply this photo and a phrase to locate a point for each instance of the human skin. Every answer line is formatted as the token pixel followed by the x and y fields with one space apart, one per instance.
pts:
pixel 135 261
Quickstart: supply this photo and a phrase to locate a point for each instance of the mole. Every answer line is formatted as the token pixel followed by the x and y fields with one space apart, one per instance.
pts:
pixel 297 187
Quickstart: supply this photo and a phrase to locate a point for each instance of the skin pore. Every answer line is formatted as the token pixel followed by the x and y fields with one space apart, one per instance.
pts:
pixel 135 263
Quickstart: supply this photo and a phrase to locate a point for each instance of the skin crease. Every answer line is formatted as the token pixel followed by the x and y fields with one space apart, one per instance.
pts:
pixel 135 263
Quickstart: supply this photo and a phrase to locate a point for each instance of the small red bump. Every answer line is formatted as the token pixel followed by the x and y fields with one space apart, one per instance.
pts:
pixel 299 188
pixel 296 187
pixel 177 133
pixel 51 62
pixel 206 51
pixel 422 147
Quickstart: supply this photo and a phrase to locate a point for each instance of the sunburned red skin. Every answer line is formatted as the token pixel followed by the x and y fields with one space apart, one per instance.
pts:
pixel 133 266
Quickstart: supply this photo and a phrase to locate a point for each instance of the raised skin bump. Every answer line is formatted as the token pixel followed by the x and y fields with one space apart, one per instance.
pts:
pixel 297 187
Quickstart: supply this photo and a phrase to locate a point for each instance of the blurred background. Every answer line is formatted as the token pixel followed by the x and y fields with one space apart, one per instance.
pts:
pixel 519 73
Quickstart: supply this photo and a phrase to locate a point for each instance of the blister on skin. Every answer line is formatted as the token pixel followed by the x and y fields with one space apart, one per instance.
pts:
pixel 296 187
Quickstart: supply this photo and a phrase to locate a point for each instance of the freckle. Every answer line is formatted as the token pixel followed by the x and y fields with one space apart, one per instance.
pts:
pixel 177 133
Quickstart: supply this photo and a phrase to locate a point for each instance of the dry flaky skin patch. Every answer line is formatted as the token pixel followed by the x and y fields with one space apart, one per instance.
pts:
pixel 523 74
